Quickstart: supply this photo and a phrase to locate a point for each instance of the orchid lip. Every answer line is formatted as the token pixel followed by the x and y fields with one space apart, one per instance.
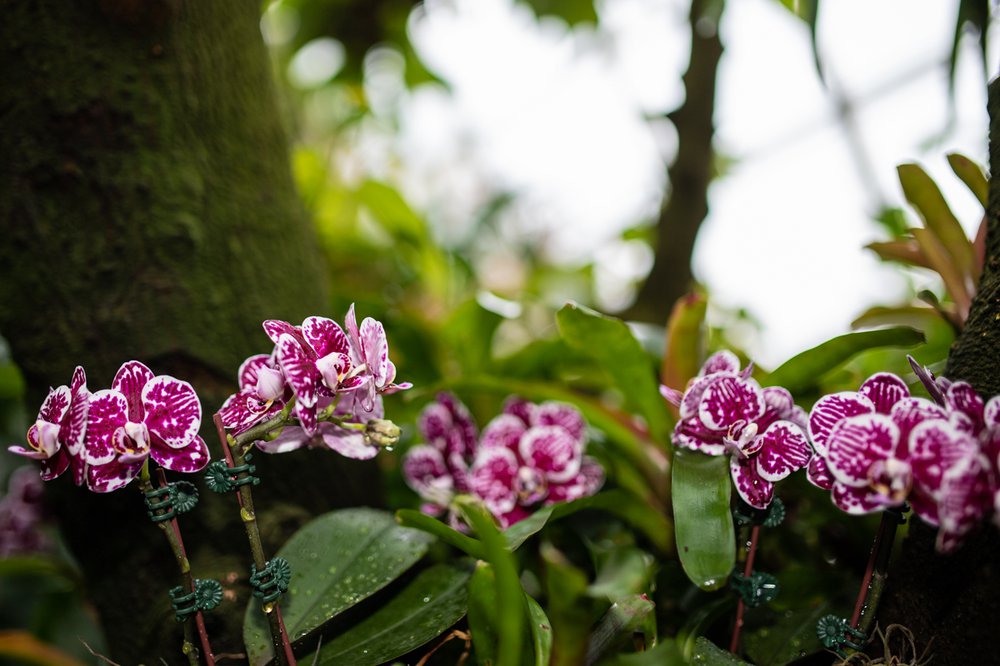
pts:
pixel 48 434
pixel 740 435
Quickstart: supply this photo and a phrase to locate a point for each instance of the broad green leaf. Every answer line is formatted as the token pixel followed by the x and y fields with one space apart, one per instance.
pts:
pixel 627 571
pixel 708 653
pixel 541 632
pixel 610 343
pixel 431 525
pixel 337 560
pixel 511 609
pixel 685 341
pixel 571 612
pixel 904 250
pixel 393 213
pixel 483 620
pixel 793 636
pixel 923 193
pixel 972 175
pixel 703 524
pixel 917 316
pixel 804 370
pixel 423 610
pixel 625 617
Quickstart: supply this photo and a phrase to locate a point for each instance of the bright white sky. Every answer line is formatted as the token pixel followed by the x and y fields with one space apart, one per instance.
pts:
pixel 559 118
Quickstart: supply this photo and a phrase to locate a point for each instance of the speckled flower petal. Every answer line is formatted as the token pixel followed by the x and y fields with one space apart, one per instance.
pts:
pixel 754 489
pixel 74 426
pixel 505 430
pixel 306 415
pixel 991 412
pixel 587 482
pixel 112 476
pixel 299 369
pixel 692 434
pixel 435 424
pixel 673 396
pixel 354 337
pixel 964 500
pixel 492 479
pixel 552 451
pixel 855 443
pixel 730 399
pixel 884 389
pixel 291 438
pixel 275 328
pixel 108 411
pixel 191 458
pixel 348 443
pixel 424 469
pixel 250 369
pixel 784 450
pixel 563 415
pixel 720 361
pixel 818 474
pixel 325 336
pixel 376 350
pixel 27 452
pixel 829 410
pixel 173 412
pixel 520 408
pixel 56 465
pixel 778 406
pixel 129 381
pixel 908 413
pixel 856 501
pixel 691 399
pixel 464 432
pixel 55 405
pixel 935 447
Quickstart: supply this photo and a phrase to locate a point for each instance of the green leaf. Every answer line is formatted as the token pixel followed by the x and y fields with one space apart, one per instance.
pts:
pixel 666 653
pixel 510 603
pixel 793 636
pixel 423 610
pixel 431 525
pixel 972 175
pixel 541 632
pixel 572 12
pixel 571 612
pixel 469 335
pixel 483 620
pixel 804 370
pixel 685 341
pixel 923 193
pixel 337 560
pixel 625 617
pixel 11 382
pixel 706 538
pixel 610 343
pixel 708 653
pixel 393 213
pixel 627 571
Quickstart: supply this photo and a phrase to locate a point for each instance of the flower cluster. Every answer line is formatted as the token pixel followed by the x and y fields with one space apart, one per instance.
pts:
pixel 336 379
pixel 529 456
pixel 725 411
pixel 880 447
pixel 106 437
pixel 21 515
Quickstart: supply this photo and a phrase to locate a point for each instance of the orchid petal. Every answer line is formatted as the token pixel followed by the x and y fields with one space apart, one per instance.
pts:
pixel 505 430
pixel 291 438
pixel 55 405
pixel 856 501
pixel 785 450
pixel 275 328
pixel 299 369
pixel 173 411
pixel 818 473
pixel 130 379
pixel 730 399
pixel 552 451
pixel 965 499
pixel 250 369
pixel 856 442
pixel 673 396
pixel 692 434
pixel 424 468
pixel 778 405
pixel 962 398
pixel 521 408
pixel 884 389
pixel 107 413
pixel 991 412
pixel 74 428
pixel 351 324
pixel 692 395
pixel 325 336
pixel 492 479
pixel 376 350
pixel 753 488
pixel 112 476
pixel 348 443
pixel 191 458
pixel 435 424
pixel 908 413
pixel 307 418
pixel 829 410
pixel 720 361
pixel 563 415
pixel 935 447
pixel 27 453
pixel 56 465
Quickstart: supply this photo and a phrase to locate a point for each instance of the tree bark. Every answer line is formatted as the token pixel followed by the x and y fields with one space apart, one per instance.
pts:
pixel 951 603
pixel 686 206
pixel 148 212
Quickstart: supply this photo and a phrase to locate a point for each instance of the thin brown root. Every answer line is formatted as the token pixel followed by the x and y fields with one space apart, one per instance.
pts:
pixel 99 656
pixel 899 648
pixel 452 635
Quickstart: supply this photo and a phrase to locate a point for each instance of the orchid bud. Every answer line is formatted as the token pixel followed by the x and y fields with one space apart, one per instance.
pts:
pixel 270 384
pixel 382 432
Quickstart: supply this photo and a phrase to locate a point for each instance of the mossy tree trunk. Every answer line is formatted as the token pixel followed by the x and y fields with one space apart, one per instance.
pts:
pixel 952 603
pixel 148 212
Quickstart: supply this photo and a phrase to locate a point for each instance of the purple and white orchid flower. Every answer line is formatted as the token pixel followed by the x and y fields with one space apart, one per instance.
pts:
pixel 370 350
pixel 141 415
pixel 262 395
pixel 348 438
pixel 725 411
pixel 56 438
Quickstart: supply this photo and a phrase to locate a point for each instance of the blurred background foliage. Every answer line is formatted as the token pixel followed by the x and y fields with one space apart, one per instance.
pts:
pixel 475 312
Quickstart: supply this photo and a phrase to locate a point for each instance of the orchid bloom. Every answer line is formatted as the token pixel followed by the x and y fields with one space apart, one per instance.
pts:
pixel 262 395
pixel 56 438
pixel 532 455
pixel 370 350
pixel 439 469
pixel 141 415
pixel 725 411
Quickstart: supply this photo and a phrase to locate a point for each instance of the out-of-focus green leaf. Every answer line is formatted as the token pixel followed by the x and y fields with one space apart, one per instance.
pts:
pixel 423 610
pixel 893 220
pixel 916 316
pixel 483 620
pixel 937 256
pixel 804 370
pixel 469 334
pixel 626 572
pixel 610 343
pixel 808 11
pixel 703 524
pixel 392 212
pixel 626 616
pixel 23 648
pixel 923 193
pixel 510 604
pixel 431 525
pixel 570 11
pixel 906 251
pixel 972 175
pixel 571 612
pixel 792 637
pixel 974 13
pixel 337 560
pixel 685 341
pixel 708 653
pixel 666 653
pixel 541 632
pixel 11 382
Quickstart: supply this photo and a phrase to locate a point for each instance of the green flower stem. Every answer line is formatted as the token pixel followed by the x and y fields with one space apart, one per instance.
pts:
pixel 746 556
pixel 172 532
pixel 234 450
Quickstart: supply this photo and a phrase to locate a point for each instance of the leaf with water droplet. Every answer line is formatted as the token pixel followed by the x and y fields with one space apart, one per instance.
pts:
pixel 339 578
pixel 703 524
